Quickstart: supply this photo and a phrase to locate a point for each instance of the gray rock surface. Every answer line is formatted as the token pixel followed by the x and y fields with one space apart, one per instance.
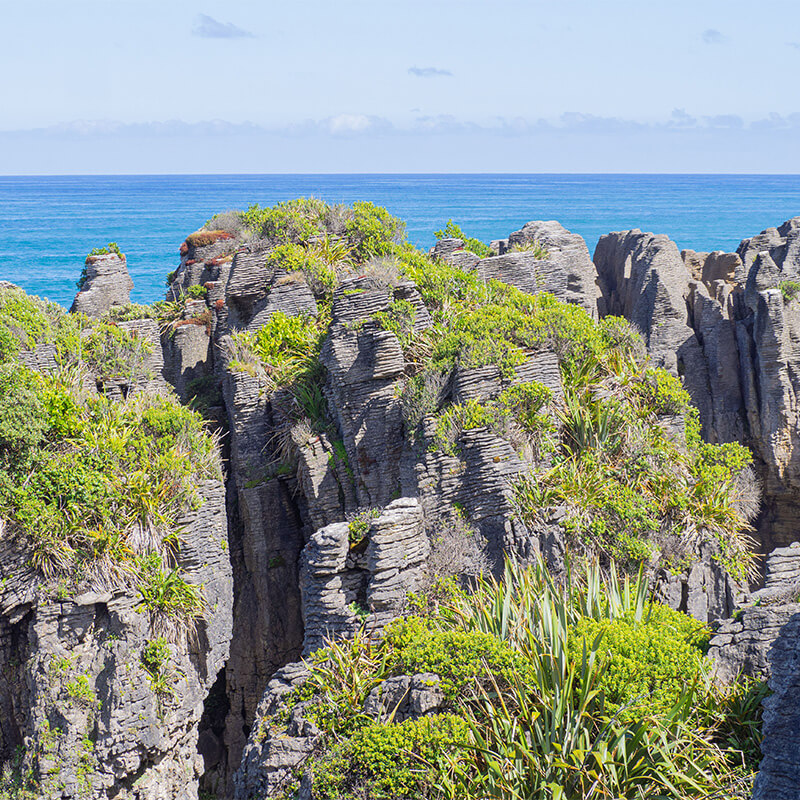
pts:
pixel 107 284
pixel 75 694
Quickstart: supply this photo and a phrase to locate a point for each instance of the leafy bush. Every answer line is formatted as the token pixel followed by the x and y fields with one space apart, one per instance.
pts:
pixel 23 421
pixel 285 346
pixel 647 663
pixel 453 231
pixel 119 467
pixel 390 761
pixel 373 231
pixel 458 657
pixel 156 658
pixel 790 290
pixel 197 292
pixel 116 354
pixel 460 417
pixel 111 247
pixel 536 723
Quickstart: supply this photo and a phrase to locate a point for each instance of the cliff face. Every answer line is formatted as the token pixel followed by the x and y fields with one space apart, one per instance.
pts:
pixel 386 419
pixel 728 324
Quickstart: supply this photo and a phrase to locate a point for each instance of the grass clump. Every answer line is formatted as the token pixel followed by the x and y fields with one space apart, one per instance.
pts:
pixel 453 231
pixel 790 290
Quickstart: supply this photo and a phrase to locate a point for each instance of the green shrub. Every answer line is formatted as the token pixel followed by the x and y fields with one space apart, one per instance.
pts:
pixel 373 231
pixel 166 594
pixel 23 421
pixel 526 401
pixel 358 528
pixel 156 659
pixel 24 322
pixel 116 354
pixel 111 247
pixel 648 665
pixel 789 290
pixel 197 292
pixel 286 346
pixel 458 657
pixel 79 689
pixel 292 221
pixel 453 231
pixel 398 318
pixel 459 417
pixel 312 262
pixel 390 761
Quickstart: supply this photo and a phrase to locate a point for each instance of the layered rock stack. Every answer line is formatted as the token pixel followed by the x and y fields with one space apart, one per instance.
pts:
pixel 106 283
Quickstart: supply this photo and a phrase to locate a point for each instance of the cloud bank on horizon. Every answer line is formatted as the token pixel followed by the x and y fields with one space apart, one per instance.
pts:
pixel 515 85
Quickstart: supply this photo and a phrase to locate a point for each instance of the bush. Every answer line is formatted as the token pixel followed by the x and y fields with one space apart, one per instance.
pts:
pixel 116 355
pixel 648 665
pixel 458 657
pixel 373 231
pixel 453 231
pixel 390 761
pixel 789 290
pixel 23 421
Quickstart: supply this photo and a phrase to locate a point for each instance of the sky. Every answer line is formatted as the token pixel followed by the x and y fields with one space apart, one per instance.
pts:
pixel 194 86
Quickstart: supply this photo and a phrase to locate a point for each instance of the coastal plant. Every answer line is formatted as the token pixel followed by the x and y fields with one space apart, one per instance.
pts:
pixel 534 246
pixel 372 231
pixel 536 702
pixel 789 289
pixel 452 231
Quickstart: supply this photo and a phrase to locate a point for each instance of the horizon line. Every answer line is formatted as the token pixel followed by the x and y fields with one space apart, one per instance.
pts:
pixel 391 174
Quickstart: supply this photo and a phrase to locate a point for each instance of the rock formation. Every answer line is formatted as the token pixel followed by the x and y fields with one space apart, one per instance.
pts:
pixel 106 283
pixel 338 496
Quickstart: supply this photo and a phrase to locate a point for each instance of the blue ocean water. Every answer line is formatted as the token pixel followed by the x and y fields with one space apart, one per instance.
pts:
pixel 49 224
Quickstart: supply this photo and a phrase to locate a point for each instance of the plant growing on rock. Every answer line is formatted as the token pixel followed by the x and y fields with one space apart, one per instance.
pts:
pixel 453 231
pixel 536 704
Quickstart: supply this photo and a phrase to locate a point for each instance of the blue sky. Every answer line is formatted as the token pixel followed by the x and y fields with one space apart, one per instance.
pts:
pixel 399 86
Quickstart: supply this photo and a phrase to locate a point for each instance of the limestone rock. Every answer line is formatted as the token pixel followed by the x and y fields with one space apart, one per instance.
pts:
pixel 107 284
pixel 74 690
pixel 567 268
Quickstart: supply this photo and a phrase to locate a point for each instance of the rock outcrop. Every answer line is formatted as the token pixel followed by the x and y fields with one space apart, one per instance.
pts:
pixel 761 640
pixel 75 691
pixel 105 284
pixel 728 324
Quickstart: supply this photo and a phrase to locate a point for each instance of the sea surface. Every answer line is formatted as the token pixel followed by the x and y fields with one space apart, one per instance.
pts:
pixel 49 224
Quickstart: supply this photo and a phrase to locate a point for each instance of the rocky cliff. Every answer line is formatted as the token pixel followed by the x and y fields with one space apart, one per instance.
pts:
pixel 382 419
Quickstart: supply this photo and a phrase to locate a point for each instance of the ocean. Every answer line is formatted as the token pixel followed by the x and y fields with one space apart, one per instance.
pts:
pixel 49 224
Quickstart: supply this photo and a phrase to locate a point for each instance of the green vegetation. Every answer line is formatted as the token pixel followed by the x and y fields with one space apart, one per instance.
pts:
pixel 535 247
pixel 586 689
pixel 790 290
pixel 111 247
pixel 80 691
pixel 358 527
pixel 156 659
pixel 604 451
pixel 93 489
pixel 453 231
pixel 115 354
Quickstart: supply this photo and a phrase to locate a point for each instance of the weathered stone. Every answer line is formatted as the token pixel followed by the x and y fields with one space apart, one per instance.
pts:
pixel 107 284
